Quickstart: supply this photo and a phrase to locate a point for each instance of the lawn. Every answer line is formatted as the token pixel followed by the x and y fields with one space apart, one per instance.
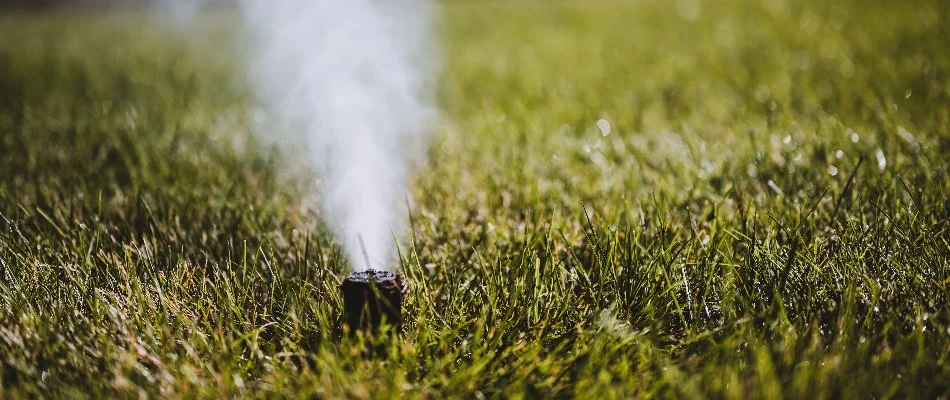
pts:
pixel 723 199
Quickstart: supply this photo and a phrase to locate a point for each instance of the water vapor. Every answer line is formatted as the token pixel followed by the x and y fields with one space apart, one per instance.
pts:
pixel 346 83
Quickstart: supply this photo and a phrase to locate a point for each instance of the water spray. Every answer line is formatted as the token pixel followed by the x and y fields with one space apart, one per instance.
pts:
pixel 345 89
pixel 346 84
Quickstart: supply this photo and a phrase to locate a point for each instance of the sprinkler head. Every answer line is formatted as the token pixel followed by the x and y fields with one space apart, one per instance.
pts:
pixel 372 296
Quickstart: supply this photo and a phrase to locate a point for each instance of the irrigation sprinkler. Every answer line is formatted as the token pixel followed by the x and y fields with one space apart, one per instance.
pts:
pixel 371 298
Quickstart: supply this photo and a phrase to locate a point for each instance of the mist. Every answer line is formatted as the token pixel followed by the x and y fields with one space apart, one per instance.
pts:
pixel 343 88
pixel 346 85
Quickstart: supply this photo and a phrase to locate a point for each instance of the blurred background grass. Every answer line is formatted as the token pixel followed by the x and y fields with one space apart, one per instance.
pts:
pixel 688 198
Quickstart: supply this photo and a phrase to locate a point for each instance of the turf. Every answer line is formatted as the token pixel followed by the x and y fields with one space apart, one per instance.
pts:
pixel 678 199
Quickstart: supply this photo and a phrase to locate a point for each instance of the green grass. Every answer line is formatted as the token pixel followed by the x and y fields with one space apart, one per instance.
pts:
pixel 767 217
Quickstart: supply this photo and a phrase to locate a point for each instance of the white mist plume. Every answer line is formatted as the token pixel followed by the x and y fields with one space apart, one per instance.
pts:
pixel 345 82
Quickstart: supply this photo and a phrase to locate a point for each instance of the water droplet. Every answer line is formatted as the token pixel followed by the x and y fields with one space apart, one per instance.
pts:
pixel 787 139
pixel 881 161
pixel 839 153
pixel 832 170
pixel 775 187
pixel 854 137
pixel 604 126
pixel 908 137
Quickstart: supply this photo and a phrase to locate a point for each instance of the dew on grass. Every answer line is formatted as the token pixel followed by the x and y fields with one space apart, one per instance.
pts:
pixel 881 161
pixel 775 188
pixel 853 136
pixel 832 170
pixel 909 138
pixel 604 126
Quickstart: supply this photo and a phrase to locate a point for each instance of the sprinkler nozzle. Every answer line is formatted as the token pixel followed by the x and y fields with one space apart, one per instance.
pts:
pixel 371 297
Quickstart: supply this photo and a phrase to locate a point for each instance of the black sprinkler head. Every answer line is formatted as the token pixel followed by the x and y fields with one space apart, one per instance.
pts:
pixel 371 297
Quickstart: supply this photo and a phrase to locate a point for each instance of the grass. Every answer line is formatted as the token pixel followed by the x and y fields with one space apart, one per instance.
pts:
pixel 767 216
